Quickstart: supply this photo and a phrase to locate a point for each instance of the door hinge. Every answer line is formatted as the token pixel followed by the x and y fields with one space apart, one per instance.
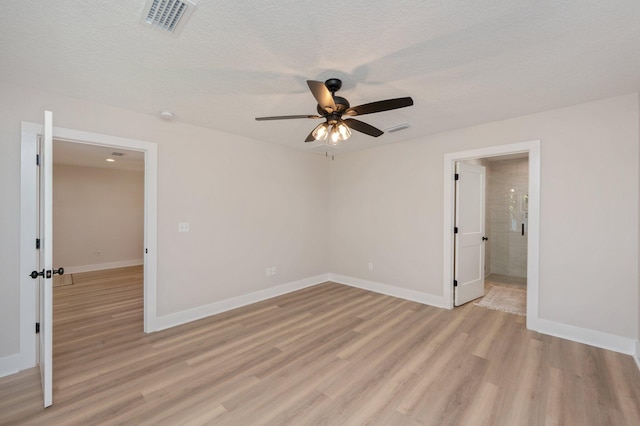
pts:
pixel 455 283
pixel 37 327
pixel 456 176
pixel 37 243
pixel 455 229
pixel 37 159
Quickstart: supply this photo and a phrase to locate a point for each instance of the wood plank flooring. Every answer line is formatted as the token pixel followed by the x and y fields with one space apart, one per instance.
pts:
pixel 329 354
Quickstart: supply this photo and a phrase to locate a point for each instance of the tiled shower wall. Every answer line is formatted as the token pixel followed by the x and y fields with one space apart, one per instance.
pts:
pixel 507 208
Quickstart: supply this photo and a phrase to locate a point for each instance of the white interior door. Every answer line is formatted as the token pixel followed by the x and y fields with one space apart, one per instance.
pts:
pixel 46 264
pixel 470 237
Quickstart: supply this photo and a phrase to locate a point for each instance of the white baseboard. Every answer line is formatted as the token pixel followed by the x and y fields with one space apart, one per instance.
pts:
pixel 183 317
pixel 598 339
pixel 389 290
pixel 10 364
pixel 102 266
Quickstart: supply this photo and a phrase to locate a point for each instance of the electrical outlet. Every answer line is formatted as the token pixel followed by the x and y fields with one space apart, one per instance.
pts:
pixel 98 252
pixel 371 266
pixel 268 273
pixel 274 270
pixel 183 226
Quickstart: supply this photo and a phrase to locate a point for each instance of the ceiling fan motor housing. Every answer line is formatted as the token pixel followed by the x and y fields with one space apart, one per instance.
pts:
pixel 341 106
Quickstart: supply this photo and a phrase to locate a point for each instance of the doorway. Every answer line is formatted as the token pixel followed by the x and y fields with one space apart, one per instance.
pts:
pixel 98 237
pixel 507 220
pixel 98 208
pixel 29 214
pixel 530 149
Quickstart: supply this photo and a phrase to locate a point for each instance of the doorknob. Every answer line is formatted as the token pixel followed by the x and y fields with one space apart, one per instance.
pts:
pixel 58 271
pixel 36 274
pixel 485 239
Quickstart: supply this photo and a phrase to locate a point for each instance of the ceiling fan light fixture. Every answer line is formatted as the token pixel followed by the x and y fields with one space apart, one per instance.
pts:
pixel 321 131
pixel 343 131
pixel 334 136
pixel 339 132
pixel 332 108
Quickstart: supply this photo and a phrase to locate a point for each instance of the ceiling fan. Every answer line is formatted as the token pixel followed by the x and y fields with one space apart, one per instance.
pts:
pixel 332 108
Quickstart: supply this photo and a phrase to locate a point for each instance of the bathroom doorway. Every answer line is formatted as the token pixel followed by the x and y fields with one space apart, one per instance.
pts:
pixel 506 220
pixel 532 224
pixel 491 229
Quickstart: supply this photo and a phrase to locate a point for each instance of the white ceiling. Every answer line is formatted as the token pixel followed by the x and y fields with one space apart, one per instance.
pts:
pixel 463 62
pixel 84 155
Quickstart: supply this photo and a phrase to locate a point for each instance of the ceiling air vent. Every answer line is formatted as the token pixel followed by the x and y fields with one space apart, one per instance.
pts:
pixel 168 16
pixel 397 127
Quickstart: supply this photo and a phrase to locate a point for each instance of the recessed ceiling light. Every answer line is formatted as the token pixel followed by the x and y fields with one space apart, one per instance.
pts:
pixel 110 160
pixel 166 115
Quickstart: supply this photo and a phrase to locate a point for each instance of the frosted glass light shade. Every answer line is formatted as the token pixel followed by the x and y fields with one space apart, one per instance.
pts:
pixel 343 131
pixel 334 136
pixel 321 131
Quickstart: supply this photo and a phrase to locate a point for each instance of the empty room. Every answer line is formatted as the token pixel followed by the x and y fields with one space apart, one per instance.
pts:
pixel 388 213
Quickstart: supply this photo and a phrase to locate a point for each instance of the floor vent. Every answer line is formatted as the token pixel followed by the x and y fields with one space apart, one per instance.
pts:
pixel 62 280
pixel 168 16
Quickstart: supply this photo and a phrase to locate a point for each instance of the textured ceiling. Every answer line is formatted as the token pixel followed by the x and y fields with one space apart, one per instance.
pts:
pixel 463 62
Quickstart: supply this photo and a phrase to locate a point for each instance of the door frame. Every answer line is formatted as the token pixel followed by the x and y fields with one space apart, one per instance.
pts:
pixel 532 148
pixel 29 214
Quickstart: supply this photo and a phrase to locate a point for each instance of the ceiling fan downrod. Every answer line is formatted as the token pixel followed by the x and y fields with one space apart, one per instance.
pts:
pixel 333 84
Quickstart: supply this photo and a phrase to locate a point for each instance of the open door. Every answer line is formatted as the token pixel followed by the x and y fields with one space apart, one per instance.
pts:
pixel 46 264
pixel 469 233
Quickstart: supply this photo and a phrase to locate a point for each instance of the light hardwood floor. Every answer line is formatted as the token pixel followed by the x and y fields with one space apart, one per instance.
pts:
pixel 329 354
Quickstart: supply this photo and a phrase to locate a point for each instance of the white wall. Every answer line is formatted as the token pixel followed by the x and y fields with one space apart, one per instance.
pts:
pixel 386 208
pixel 251 205
pixel 98 217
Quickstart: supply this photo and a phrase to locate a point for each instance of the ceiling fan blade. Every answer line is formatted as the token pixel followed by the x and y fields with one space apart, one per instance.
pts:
pixel 286 117
pixel 310 138
pixel 322 95
pixel 380 106
pixel 362 127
